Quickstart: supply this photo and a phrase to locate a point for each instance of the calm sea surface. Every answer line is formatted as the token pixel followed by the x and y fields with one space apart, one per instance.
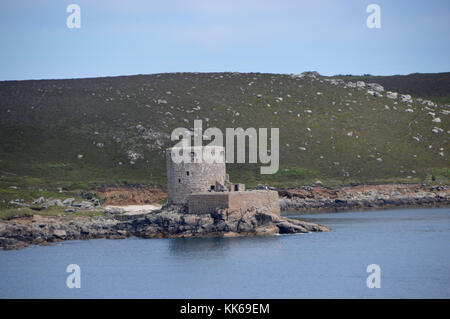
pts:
pixel 411 246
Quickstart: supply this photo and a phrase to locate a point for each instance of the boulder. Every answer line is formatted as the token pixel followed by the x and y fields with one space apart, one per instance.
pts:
pixel 60 233
pixel 114 210
pixel 83 205
pixel 391 95
pixel 406 98
pixel 53 202
pixel 68 201
pixel 39 201
pixel 375 86
pixel 286 227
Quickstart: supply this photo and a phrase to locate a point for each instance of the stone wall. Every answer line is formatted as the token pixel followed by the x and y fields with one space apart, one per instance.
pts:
pixel 206 203
pixel 190 177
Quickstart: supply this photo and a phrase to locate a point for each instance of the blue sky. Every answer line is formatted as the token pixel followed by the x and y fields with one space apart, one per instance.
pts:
pixel 143 37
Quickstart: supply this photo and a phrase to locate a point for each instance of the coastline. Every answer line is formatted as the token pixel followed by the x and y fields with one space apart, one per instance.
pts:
pixel 363 197
pixel 169 222
pixel 174 222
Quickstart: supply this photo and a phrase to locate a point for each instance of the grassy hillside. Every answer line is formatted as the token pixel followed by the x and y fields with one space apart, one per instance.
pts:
pixel 78 133
pixel 432 86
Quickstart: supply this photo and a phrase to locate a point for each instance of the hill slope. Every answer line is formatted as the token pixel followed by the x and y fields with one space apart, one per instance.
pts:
pixel 432 86
pixel 81 132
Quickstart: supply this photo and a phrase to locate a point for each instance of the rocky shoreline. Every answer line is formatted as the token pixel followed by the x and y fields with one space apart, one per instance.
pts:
pixel 173 221
pixel 169 222
pixel 363 197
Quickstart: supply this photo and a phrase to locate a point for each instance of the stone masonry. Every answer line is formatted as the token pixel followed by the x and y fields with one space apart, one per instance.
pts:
pixel 203 185
pixel 190 177
pixel 207 203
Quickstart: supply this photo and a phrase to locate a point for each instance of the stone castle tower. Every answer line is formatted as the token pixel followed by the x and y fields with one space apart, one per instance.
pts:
pixel 195 176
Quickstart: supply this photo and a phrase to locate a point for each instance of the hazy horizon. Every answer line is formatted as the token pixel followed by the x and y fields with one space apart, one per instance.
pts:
pixel 213 72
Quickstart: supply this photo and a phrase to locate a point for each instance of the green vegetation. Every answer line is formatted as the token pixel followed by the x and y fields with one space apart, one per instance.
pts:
pixel 9 213
pixel 440 175
pixel 163 202
pixel 77 134
pixel 293 176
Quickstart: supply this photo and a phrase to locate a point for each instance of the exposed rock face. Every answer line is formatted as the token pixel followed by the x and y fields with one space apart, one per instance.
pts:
pixel 392 95
pixel 42 203
pixel 375 86
pixel 363 197
pixel 169 222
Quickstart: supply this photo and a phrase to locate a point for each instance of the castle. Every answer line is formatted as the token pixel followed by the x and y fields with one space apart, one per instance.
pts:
pixel 204 186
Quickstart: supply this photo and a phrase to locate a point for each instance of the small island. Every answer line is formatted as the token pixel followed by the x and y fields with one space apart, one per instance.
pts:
pixel 201 202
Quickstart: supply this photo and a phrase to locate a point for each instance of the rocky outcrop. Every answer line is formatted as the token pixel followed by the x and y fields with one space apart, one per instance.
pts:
pixel 169 222
pixel 42 203
pixel 361 197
